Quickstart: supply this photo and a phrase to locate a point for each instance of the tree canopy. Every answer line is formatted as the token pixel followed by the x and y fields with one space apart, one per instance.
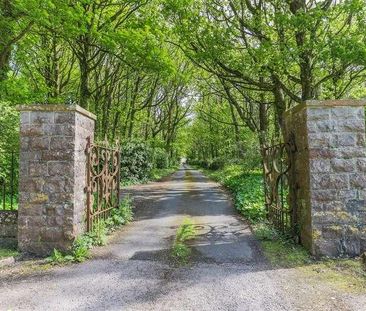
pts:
pixel 206 79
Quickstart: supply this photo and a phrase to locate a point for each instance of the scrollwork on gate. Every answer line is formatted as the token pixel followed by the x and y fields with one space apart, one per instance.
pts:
pixel 277 165
pixel 103 177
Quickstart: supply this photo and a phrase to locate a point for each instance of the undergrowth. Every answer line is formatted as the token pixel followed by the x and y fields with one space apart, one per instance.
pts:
pixel 246 188
pixel 159 173
pixel 80 250
pixel 154 175
pixel 8 252
pixel 181 252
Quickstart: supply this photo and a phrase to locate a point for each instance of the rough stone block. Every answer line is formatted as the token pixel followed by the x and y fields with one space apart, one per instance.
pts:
pixel 325 195
pixel 24 117
pixel 65 118
pixel 39 143
pixel 28 130
pixel 62 143
pixel 61 168
pixel 319 140
pixel 344 140
pixel 59 129
pixel 344 113
pixel 361 139
pixel 321 126
pixel 339 181
pixel 349 153
pixel 32 184
pixel 40 118
pixel 37 169
pixel 58 185
pixel 321 153
pixel 342 166
pixel 315 114
pixel 357 181
pixel 353 126
pixel 320 181
pixel 57 155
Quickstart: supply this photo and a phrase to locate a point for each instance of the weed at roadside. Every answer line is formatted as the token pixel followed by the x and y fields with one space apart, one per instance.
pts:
pixel 181 252
pixel 80 250
pixel 8 252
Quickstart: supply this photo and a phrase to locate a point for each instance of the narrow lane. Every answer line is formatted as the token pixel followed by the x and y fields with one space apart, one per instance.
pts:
pixel 134 272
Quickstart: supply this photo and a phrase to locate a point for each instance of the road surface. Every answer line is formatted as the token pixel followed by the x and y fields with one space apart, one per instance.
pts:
pixel 134 272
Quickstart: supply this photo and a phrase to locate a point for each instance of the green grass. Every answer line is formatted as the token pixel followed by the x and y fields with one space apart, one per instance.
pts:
pixel 8 252
pixel 344 275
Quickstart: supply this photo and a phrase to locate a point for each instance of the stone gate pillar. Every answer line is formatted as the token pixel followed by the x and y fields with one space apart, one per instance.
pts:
pixel 329 175
pixel 52 176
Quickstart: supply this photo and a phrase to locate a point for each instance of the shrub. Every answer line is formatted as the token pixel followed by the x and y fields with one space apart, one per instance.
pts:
pixel 136 161
pixel 160 158
pixel 216 164
pixel 200 163
pixel 123 214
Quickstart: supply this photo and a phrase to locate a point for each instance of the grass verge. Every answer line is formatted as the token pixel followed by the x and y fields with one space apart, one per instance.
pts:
pixel 155 175
pixel 8 252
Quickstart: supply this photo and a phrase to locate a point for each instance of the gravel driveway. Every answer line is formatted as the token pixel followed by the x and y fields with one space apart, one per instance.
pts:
pixel 133 272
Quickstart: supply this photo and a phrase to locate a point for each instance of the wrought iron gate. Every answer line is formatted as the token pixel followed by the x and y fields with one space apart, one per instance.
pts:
pixel 9 175
pixel 280 204
pixel 103 177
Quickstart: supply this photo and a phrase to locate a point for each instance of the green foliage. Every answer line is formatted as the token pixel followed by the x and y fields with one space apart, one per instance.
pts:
pixel 216 164
pixel 80 250
pixel 9 155
pixel 56 256
pixel 8 203
pixel 180 251
pixel 185 232
pixel 9 142
pixel 279 249
pixel 99 233
pixel 265 232
pixel 157 174
pixel 8 252
pixel 285 253
pixel 9 128
pixel 160 158
pixel 81 247
pixel 136 161
pixel 247 189
pixel 122 215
